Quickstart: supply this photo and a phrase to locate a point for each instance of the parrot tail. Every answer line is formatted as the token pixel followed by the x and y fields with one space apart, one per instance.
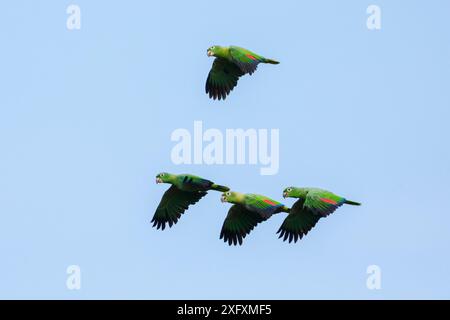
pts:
pixel 271 61
pixel 220 188
pixel 353 203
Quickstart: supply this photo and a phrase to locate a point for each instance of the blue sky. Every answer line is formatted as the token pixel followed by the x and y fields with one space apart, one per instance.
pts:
pixel 85 124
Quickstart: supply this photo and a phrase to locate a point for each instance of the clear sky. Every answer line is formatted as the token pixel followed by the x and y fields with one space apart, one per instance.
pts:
pixel 86 118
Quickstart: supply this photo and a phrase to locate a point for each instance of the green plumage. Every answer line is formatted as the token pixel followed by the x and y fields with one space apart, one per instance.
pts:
pixel 186 190
pixel 247 212
pixel 312 205
pixel 230 64
pixel 298 223
pixel 238 224
pixel 319 201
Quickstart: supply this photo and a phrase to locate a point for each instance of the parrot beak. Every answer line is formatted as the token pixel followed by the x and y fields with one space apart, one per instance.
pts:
pixel 209 53
pixel 158 180
pixel 285 195
pixel 223 199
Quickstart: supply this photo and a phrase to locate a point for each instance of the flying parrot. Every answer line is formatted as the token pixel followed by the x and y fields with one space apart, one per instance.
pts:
pixel 230 64
pixel 247 211
pixel 186 190
pixel 312 204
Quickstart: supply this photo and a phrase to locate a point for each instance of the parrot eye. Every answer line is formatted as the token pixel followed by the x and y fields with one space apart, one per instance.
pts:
pixel 228 193
pixel 162 174
pixel 289 189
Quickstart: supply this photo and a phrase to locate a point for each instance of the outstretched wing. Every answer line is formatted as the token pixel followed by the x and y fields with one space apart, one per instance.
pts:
pixel 238 224
pixel 265 206
pixel 298 223
pixel 246 60
pixel 322 202
pixel 194 183
pixel 173 204
pixel 222 78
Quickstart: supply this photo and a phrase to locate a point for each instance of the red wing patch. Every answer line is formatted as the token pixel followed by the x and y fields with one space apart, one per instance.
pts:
pixel 250 56
pixel 270 202
pixel 328 201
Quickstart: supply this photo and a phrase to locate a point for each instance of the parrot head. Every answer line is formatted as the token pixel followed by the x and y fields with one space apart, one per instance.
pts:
pixel 212 51
pixel 163 177
pixel 231 197
pixel 288 192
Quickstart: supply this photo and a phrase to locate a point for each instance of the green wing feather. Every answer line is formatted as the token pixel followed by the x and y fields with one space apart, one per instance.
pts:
pixel 238 224
pixel 263 205
pixel 222 78
pixel 298 223
pixel 173 204
pixel 189 182
pixel 246 60
pixel 323 202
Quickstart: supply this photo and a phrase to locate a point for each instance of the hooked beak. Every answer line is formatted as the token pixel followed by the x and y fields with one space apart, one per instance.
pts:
pixel 159 180
pixel 223 199
pixel 285 195
pixel 209 53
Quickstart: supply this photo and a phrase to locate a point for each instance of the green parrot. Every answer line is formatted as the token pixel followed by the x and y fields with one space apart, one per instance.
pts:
pixel 312 204
pixel 186 189
pixel 247 211
pixel 230 64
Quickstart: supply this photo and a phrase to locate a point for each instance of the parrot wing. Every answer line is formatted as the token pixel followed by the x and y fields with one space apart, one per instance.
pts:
pixel 265 206
pixel 191 182
pixel 322 202
pixel 246 60
pixel 195 183
pixel 298 223
pixel 222 78
pixel 238 223
pixel 173 204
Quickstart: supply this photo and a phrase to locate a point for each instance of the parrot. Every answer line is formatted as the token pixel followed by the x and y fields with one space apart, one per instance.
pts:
pixel 247 211
pixel 230 63
pixel 312 204
pixel 186 190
